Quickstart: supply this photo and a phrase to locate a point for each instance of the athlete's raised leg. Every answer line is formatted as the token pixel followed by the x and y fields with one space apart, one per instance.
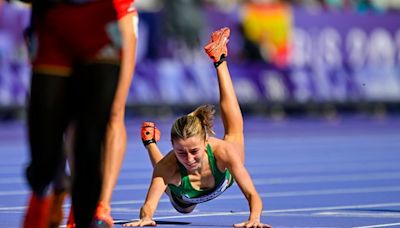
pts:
pixel 230 109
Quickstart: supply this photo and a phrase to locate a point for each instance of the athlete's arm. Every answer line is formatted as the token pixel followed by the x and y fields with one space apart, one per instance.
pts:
pixel 157 187
pixel 128 28
pixel 243 179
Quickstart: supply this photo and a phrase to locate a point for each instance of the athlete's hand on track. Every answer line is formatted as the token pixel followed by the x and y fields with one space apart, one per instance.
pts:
pixel 252 223
pixel 141 222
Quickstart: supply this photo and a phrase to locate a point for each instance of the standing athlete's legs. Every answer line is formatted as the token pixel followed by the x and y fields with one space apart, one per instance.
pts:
pixel 230 109
pixel 114 151
pixel 48 115
pixel 59 193
pixel 95 85
pixel 116 137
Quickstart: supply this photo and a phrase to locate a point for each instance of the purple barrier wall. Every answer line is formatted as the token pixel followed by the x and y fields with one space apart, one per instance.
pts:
pixel 334 57
pixel 331 57
pixel 343 56
pixel 14 63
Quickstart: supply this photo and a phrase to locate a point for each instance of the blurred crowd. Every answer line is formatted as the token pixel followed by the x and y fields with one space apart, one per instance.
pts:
pixel 357 5
pixel 172 33
pixel 14 64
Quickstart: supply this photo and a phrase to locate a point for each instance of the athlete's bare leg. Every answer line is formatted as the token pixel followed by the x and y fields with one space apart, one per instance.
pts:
pixel 116 137
pixel 230 109
pixel 114 152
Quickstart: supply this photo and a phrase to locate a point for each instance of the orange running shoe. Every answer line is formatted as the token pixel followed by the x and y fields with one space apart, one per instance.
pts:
pixel 216 49
pixel 149 133
pixel 38 212
pixel 71 219
pixel 56 211
pixel 102 217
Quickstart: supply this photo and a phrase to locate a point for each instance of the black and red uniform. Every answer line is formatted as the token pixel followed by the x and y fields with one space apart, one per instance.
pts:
pixel 71 32
pixel 75 68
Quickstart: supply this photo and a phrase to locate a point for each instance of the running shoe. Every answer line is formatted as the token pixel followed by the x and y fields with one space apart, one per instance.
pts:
pixel 102 218
pixel 38 212
pixel 56 211
pixel 71 219
pixel 216 48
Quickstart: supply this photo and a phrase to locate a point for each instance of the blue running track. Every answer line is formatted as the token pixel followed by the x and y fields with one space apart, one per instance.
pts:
pixel 309 172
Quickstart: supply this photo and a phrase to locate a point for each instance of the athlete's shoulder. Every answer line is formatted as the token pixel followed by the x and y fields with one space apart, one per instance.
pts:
pixel 219 147
pixel 123 7
pixel 222 151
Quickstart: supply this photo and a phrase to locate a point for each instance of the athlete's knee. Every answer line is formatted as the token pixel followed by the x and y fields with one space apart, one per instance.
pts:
pixel 117 115
pixel 237 139
pixel 40 176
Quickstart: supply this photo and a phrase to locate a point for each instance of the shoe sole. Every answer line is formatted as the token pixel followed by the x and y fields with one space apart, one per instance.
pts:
pixel 221 41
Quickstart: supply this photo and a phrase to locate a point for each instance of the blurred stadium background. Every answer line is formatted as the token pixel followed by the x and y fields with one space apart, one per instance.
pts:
pixel 323 59
pixel 286 57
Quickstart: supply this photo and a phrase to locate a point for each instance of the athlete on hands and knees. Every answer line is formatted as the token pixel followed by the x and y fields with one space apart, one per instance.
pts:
pixel 76 77
pixel 200 166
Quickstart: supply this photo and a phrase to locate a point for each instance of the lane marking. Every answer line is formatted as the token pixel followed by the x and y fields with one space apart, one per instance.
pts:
pixel 256 181
pixel 287 194
pixel 328 178
pixel 278 211
pixel 378 225
pixel 263 195
pixel 14 193
pixel 372 214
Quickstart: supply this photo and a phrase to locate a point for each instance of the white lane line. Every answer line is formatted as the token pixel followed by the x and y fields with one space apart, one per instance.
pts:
pixel 278 211
pixel 360 206
pixel 328 178
pixel 287 194
pixel 379 225
pixel 267 181
pixel 354 214
pixel 263 195
pixel 329 192
pixel 294 180
pixel 133 177
pixel 12 208
pixel 14 193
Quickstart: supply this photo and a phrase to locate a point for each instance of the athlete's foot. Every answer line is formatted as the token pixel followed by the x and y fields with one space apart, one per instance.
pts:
pixel 71 219
pixel 216 49
pixel 102 218
pixel 38 212
pixel 56 209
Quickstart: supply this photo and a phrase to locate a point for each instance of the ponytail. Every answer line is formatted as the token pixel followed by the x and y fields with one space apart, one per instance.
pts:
pixel 199 122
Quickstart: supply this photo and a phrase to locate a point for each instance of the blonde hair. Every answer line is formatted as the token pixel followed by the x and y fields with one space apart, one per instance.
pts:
pixel 199 122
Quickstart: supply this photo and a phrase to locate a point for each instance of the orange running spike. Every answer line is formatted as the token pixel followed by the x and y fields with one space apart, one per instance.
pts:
pixel 216 48
pixel 38 212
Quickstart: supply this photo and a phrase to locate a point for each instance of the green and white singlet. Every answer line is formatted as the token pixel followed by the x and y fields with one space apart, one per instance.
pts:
pixel 188 194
